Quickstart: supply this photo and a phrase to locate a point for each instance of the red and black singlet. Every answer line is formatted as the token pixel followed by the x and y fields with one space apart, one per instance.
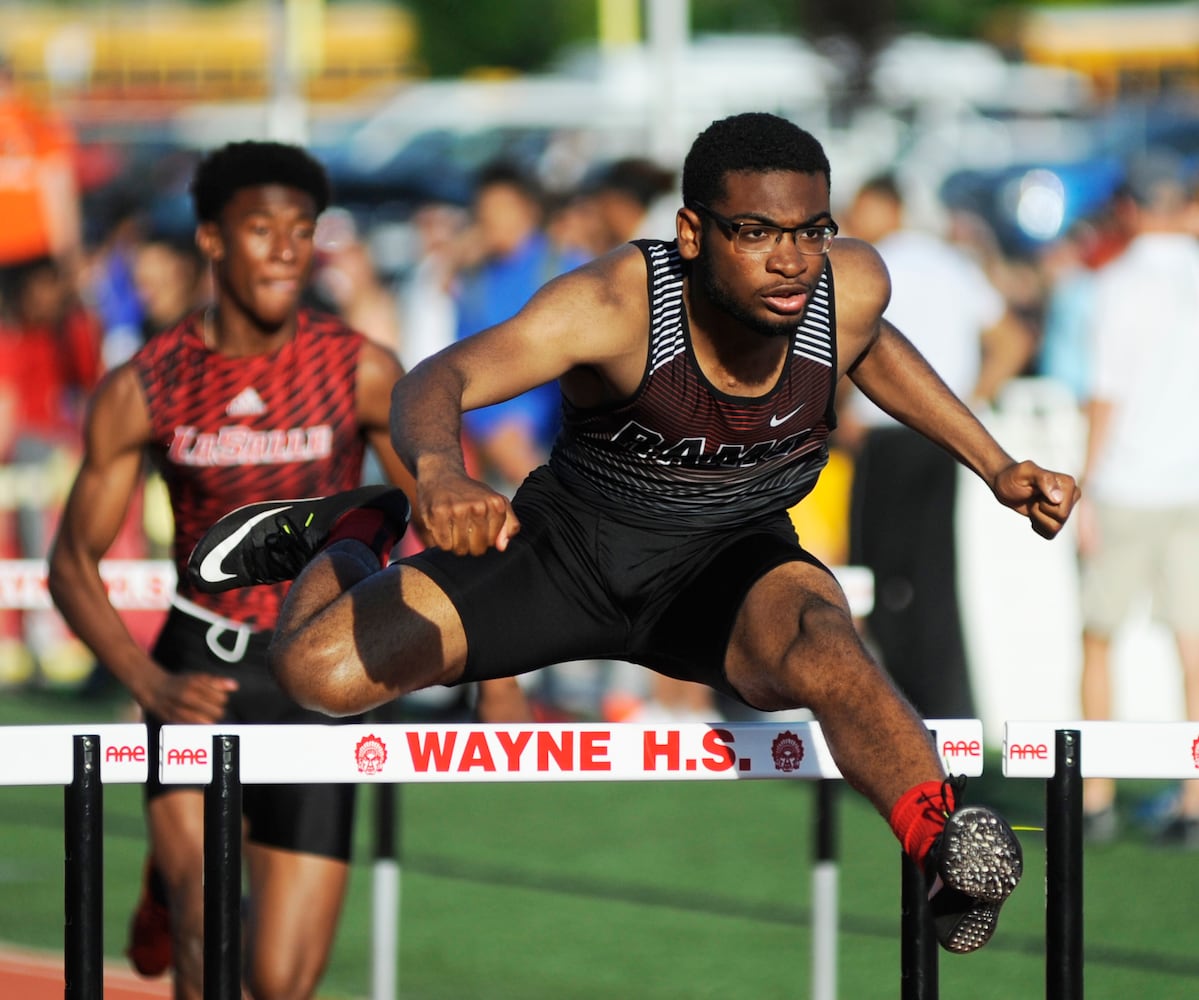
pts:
pixel 231 431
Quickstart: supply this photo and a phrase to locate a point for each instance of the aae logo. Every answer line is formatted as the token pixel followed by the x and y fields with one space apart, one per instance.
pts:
pixel 1028 751
pixel 187 756
pixel 961 748
pixel 124 754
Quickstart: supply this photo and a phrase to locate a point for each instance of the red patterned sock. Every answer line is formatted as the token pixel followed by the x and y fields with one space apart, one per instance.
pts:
pixel 368 525
pixel 919 817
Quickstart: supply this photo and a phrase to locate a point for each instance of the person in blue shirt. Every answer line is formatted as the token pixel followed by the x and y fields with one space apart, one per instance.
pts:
pixel 516 257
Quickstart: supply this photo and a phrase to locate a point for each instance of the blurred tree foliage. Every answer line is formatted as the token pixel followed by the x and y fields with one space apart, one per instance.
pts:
pixel 461 36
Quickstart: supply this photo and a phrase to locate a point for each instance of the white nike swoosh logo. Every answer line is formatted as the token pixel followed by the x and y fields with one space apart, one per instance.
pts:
pixel 210 570
pixel 776 420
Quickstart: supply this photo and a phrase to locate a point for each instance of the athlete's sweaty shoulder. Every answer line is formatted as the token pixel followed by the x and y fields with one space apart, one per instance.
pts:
pixel 862 288
pixel 608 302
pixel 611 287
pixel 593 324
pixel 118 416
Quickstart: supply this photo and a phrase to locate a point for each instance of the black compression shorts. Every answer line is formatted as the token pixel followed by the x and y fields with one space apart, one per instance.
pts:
pixel 574 585
pixel 311 819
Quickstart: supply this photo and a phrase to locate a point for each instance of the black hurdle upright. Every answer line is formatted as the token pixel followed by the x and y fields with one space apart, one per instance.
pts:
pixel 83 959
pixel 919 971
pixel 826 820
pixel 824 930
pixel 388 844
pixel 1063 870
pixel 222 873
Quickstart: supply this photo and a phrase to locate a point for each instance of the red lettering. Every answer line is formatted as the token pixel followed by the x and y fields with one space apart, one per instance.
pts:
pixel 562 753
pixel 126 753
pixel 188 755
pixel 652 749
pixel 961 748
pixel 513 747
pixel 593 751
pixel 476 754
pixel 431 749
pixel 160 590
pixel 1037 751
pixel 717 742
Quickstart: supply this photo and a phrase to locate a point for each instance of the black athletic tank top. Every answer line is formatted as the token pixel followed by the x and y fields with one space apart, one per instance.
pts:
pixel 680 454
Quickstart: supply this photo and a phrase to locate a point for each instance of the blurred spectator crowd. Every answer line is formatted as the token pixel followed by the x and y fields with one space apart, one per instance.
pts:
pixel 84 284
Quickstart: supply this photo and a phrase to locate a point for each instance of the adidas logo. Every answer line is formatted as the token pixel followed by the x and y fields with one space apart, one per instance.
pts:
pixel 246 403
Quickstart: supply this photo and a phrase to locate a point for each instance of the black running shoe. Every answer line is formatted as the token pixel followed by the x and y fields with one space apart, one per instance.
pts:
pixel 976 864
pixel 273 541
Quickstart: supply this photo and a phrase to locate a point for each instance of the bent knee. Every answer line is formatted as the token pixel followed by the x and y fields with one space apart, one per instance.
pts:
pixel 824 654
pixel 819 613
pixel 827 633
pixel 286 663
pixel 307 673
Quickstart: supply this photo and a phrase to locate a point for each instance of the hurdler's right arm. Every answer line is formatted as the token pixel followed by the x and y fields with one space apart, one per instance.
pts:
pixel 116 431
pixel 561 328
pixel 95 509
pixel 460 514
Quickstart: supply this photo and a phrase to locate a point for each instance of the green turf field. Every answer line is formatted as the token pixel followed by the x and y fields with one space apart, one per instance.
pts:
pixel 641 891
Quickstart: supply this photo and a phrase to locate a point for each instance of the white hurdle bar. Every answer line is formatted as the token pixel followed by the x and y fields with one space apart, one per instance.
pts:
pixel 1054 751
pixel 44 755
pixel 224 757
pixel 1148 750
pixel 147 585
pixel 82 758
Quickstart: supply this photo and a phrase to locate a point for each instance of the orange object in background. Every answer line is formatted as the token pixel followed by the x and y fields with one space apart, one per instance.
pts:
pixel 822 519
pixel 37 179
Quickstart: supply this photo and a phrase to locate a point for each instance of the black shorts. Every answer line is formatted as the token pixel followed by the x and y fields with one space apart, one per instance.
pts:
pixel 575 584
pixel 311 819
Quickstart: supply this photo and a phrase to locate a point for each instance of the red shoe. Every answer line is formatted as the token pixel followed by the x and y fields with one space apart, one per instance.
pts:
pixel 149 948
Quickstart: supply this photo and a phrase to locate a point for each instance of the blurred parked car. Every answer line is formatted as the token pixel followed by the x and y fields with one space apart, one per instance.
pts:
pixel 1032 202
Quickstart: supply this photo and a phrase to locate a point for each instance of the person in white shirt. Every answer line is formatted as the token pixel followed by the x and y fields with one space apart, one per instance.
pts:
pixel 904 490
pixel 1139 533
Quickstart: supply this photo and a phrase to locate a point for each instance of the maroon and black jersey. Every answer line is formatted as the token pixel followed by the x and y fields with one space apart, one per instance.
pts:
pixel 232 431
pixel 679 453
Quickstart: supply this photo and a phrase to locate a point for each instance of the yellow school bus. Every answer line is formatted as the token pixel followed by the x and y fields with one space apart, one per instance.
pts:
pixel 1127 50
pixel 239 50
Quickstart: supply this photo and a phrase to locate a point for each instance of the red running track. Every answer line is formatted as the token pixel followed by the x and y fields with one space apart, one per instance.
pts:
pixel 31 975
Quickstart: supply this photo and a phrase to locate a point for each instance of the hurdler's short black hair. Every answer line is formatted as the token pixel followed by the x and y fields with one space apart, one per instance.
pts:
pixel 238 165
pixel 754 142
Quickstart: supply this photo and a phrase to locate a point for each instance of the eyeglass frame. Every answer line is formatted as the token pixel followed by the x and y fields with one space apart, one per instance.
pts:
pixel 734 228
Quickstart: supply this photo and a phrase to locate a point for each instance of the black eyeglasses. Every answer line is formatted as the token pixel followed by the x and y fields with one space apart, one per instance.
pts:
pixel 760 237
